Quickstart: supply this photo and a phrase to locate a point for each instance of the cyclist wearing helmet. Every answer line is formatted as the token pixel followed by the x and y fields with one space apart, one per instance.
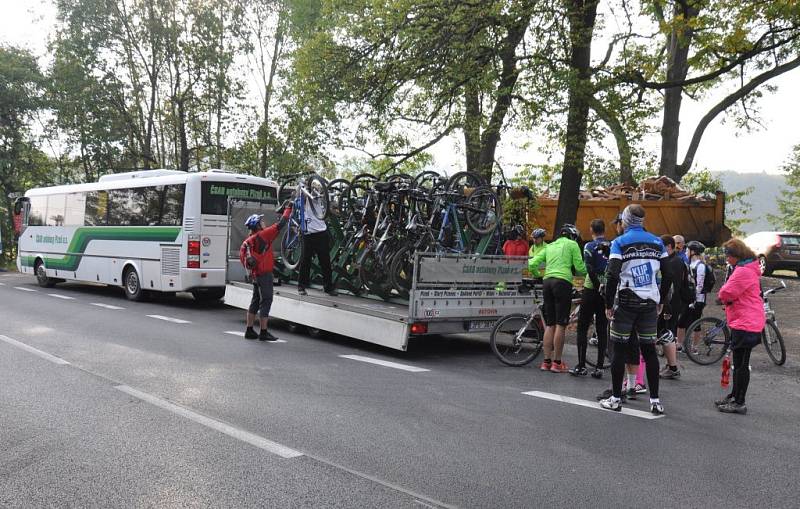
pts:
pixel 632 299
pixel 256 256
pixel 537 245
pixel 693 310
pixel 561 256
pixel 595 256
pixel 668 320
pixel 516 245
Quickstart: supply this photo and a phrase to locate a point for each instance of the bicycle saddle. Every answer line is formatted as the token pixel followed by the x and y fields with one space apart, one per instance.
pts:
pixel 382 187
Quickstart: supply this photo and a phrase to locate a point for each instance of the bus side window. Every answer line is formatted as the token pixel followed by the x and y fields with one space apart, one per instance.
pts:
pixel 172 208
pixel 56 209
pixel 96 208
pixel 38 211
pixel 76 205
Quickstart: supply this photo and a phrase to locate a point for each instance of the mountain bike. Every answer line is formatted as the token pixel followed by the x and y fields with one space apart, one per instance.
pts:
pixel 516 339
pixel 309 188
pixel 709 339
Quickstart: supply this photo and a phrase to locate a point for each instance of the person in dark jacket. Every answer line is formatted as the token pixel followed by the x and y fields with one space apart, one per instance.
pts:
pixel 668 320
pixel 256 255
pixel 595 257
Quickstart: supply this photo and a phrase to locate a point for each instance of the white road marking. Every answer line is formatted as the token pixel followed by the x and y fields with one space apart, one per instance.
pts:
pixel 227 429
pixel 59 296
pixel 241 335
pixel 388 364
pixel 25 289
pixel 34 351
pixel 2 284
pixel 590 404
pixel 106 306
pixel 168 319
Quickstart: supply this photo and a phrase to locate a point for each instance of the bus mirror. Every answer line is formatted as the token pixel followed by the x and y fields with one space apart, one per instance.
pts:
pixel 21 208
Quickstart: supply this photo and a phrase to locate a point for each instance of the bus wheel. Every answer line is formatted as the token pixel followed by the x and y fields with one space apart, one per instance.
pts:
pixel 208 294
pixel 41 276
pixel 132 285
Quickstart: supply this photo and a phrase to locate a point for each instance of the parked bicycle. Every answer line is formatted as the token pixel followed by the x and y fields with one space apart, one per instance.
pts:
pixel 709 339
pixel 516 339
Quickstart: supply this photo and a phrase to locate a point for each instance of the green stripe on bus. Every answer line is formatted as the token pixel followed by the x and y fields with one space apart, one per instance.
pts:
pixel 83 236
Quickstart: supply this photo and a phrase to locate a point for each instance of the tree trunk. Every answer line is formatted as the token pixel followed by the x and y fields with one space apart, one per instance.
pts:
pixel 472 126
pixel 269 88
pixel 621 138
pixel 679 42
pixel 582 16
pixel 505 91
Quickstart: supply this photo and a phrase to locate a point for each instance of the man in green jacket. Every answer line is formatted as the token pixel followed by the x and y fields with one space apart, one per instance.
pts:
pixel 560 256
pixel 537 246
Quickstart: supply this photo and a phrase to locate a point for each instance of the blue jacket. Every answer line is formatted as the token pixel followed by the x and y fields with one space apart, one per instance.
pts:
pixel 634 265
pixel 595 256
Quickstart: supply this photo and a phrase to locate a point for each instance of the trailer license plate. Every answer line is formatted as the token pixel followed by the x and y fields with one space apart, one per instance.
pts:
pixel 481 324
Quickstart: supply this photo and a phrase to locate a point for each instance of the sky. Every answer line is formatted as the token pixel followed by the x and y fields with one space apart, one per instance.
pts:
pixel 28 23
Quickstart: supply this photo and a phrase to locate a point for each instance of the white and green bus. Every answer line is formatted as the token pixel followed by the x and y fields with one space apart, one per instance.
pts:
pixel 147 231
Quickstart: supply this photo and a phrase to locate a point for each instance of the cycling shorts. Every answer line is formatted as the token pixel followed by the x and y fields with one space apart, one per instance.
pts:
pixel 642 320
pixel 557 301
pixel 689 315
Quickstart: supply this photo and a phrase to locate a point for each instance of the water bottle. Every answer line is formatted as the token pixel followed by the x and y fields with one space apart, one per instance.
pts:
pixel 725 380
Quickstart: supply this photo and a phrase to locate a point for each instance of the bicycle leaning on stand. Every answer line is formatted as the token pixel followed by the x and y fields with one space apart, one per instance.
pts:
pixel 709 339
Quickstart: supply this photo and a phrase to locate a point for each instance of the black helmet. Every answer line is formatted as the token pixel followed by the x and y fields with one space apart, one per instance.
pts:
pixel 569 231
pixel 695 246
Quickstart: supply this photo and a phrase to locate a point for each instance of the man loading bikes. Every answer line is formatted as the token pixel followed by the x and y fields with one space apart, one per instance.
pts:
pixel 561 257
pixel 633 298
pixel 595 256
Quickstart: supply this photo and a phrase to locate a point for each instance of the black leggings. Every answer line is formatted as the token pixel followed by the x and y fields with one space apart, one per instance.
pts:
pixel 741 373
pixel 624 351
pixel 592 306
pixel 316 244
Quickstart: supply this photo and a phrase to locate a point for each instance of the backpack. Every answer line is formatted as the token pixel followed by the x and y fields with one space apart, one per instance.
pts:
pixel 709 281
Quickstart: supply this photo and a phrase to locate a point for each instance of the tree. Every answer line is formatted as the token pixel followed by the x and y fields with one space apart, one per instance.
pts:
pixel 789 217
pixel 749 42
pixel 22 164
pixel 429 69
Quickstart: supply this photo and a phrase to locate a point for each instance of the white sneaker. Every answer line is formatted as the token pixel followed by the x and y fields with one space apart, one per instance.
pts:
pixel 611 403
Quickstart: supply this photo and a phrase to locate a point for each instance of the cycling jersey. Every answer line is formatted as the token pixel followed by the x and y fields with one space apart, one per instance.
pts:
pixel 633 267
pixel 561 256
pixel 595 256
pixel 532 252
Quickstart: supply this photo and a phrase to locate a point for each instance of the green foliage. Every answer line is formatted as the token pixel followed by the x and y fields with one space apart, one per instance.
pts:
pixel 22 165
pixel 789 203
pixel 737 206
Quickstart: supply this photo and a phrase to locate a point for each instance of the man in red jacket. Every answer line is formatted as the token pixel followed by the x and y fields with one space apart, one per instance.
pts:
pixel 256 255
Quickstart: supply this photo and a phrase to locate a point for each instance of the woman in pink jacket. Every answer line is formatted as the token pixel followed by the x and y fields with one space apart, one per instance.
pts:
pixel 744 308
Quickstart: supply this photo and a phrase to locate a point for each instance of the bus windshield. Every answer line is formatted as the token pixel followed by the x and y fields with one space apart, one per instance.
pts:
pixel 214 195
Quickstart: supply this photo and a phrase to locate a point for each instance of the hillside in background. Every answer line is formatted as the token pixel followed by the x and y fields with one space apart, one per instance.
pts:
pixel 767 189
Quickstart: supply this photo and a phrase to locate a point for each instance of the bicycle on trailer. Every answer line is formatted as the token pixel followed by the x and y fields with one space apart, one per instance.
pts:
pixel 709 339
pixel 308 188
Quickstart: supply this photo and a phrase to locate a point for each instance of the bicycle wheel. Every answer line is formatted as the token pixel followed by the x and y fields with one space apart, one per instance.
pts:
pixel 318 189
pixel 427 180
pixel 483 211
pixel 516 339
pixel 401 270
pixel 465 182
pixel 773 342
pixel 707 340
pixel 292 246
pixel 337 193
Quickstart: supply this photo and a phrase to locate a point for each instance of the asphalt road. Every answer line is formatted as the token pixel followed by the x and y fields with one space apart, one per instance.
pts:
pixel 154 404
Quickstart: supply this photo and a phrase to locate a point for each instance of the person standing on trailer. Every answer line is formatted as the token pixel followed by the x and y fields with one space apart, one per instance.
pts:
pixel 316 240
pixel 256 256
